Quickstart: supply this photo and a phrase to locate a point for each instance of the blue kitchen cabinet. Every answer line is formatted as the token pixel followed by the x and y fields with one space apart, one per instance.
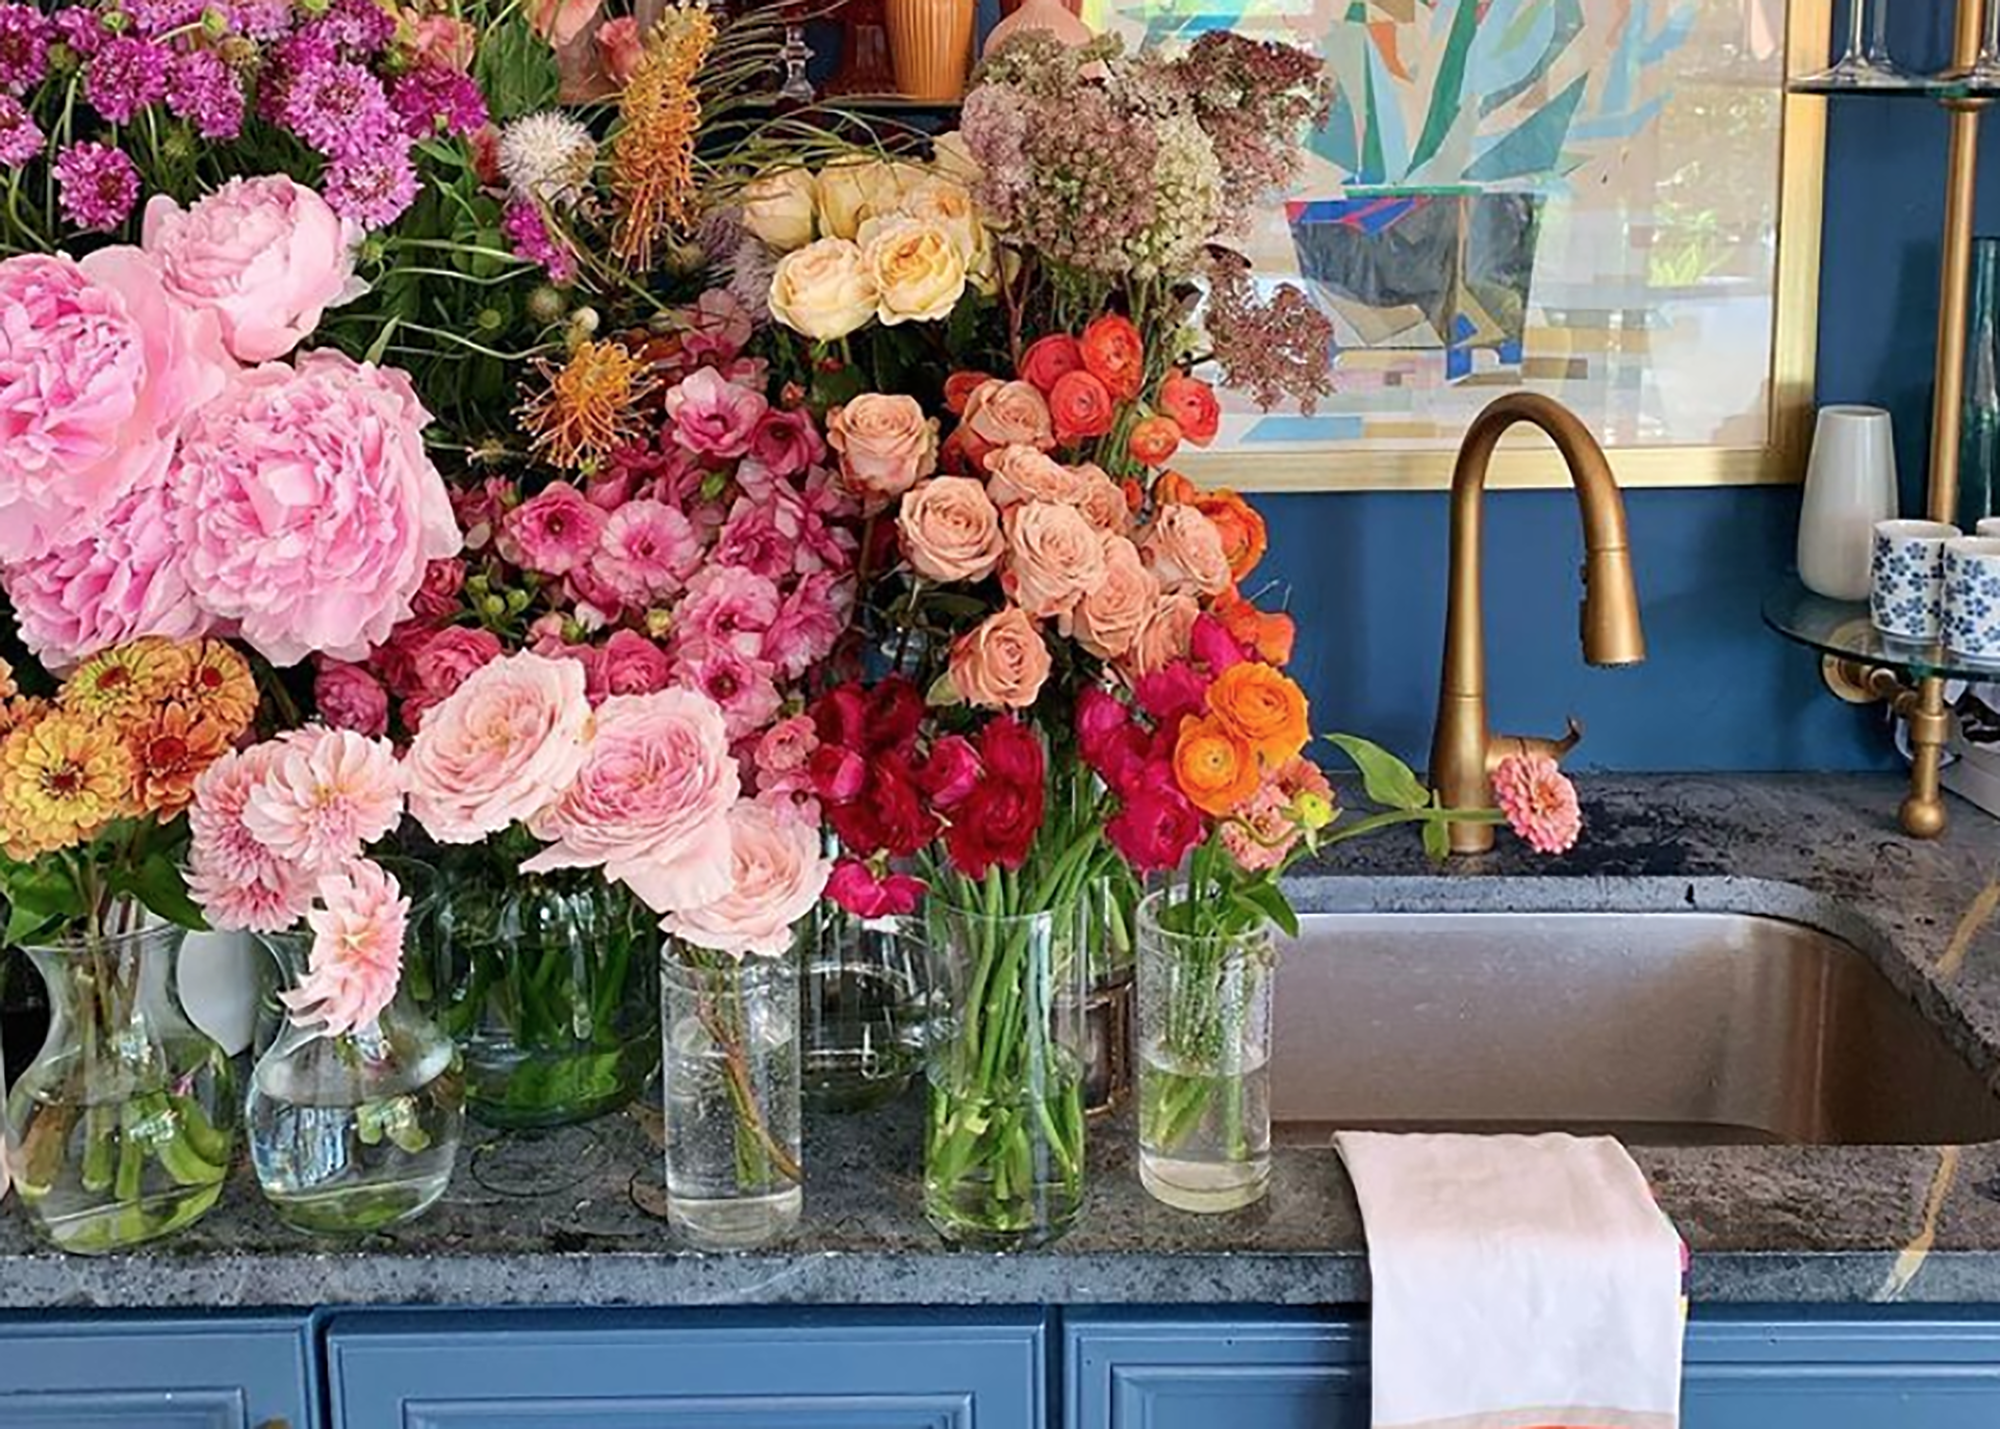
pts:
pixel 99 1372
pixel 692 1370
pixel 1744 1371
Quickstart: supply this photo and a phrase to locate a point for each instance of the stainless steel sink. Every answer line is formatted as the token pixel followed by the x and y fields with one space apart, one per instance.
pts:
pixel 1677 1029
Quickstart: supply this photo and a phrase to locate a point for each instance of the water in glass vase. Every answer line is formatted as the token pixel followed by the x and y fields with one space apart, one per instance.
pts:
pixel 1205 1137
pixel 1003 1164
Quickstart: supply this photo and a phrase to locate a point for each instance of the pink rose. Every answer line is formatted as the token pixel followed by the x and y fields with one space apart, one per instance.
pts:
pixel 1163 639
pixel 620 47
pixel 98 369
pixel 886 445
pixel 1102 503
pixel 437 597
pixel 809 623
pixel 1184 550
pixel 743 687
pixel 1017 474
pixel 646 551
pixel 394 661
pixel 552 533
pixel 449 657
pixel 503 747
pixel 951 530
pixel 786 748
pixel 1005 414
pixel 776 874
pixel 1054 558
pixel 629 664
pixel 266 255
pixel 348 697
pixel 786 442
pixel 712 416
pixel 309 509
pixel 1002 663
pixel 1108 619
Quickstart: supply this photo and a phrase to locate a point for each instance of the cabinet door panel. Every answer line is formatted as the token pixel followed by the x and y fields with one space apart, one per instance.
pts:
pixel 107 1374
pixel 1199 1372
pixel 1848 1373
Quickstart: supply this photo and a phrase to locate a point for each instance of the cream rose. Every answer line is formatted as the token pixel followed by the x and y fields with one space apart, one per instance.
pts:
pixel 1002 663
pixel 951 530
pixel 850 193
pixel 1018 474
pixel 778 209
pixel 823 290
pixel 1054 558
pixel 1185 551
pixel 918 270
pixel 949 206
pixel 952 157
pixel 886 445
pixel 1008 414
pixel 1107 620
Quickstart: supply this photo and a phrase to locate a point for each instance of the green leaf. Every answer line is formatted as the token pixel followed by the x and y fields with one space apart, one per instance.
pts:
pixel 1437 840
pixel 157 883
pixel 40 893
pixel 1270 900
pixel 1389 781
pixel 380 346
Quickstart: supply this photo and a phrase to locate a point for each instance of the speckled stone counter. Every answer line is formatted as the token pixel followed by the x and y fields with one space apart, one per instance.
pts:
pixel 573 1219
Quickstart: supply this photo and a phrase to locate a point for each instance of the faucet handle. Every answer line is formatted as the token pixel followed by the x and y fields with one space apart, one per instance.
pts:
pixel 1502 746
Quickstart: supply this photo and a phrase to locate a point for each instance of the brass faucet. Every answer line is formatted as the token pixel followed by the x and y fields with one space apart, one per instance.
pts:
pixel 1463 751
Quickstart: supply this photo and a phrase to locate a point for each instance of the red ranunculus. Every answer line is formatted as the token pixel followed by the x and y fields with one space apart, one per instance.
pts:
pixel 895 710
pixel 1131 760
pixel 1171 692
pixel 898 806
pixel 1013 753
pixel 1100 715
pixel 841 716
pixel 1191 403
pixel 837 774
pixel 1154 441
pixel 858 888
pixel 1115 354
pixel 959 386
pixel 1211 644
pixel 1081 406
pixel 995 826
pixel 1156 828
pixel 950 772
pixel 1049 358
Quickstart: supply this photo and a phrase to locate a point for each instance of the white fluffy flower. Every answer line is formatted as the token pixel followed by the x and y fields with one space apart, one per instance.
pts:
pixel 548 157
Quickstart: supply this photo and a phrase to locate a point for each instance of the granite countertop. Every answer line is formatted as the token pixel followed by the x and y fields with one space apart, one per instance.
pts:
pixel 573 1218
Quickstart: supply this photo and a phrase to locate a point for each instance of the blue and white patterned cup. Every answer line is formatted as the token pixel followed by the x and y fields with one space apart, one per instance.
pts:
pixel 1906 578
pixel 1972 597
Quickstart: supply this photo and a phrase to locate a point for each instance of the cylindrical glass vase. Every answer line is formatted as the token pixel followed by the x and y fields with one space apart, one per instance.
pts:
pixel 731 1077
pixel 1204 1058
pixel 1004 1141
pixel 862 1010
pixel 123 1129
pixel 350 1132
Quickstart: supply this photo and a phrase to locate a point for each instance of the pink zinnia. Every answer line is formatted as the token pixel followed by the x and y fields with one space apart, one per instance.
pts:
pixel 357 951
pixel 329 794
pixel 646 551
pixel 1539 802
pixel 712 416
pixel 553 532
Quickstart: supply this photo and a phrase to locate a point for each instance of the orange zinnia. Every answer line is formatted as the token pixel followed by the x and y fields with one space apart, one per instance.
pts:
pixel 1215 768
pixel 169 752
pixel 1262 707
pixel 1242 530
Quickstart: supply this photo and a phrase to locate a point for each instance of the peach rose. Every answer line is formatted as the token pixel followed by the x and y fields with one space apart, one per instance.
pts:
pixel 1107 621
pixel 1165 635
pixel 778 209
pixel 1002 663
pixel 776 874
pixel 851 192
pixel 1054 558
pixel 918 270
pixel 886 445
pixel 1006 414
pixel 1019 474
pixel 823 290
pixel 1102 503
pixel 949 205
pixel 501 747
pixel 1185 551
pixel 951 530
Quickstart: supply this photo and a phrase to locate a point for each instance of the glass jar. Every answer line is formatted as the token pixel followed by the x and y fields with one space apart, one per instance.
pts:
pixel 1204 1060
pixel 731 1077
pixel 549 985
pixel 350 1132
pixel 862 991
pixel 1004 1140
pixel 124 1127
pixel 1111 904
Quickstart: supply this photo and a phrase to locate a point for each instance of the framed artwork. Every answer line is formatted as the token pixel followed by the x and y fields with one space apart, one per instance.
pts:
pixel 1613 202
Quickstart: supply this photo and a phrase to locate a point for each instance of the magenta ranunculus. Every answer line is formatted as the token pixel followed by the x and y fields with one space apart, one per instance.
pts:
pixel 448 658
pixel 118 582
pixel 437 598
pixel 744 688
pixel 552 533
pixel 349 697
pixel 713 416
pixel 309 509
pixel 866 894
pixel 809 623
pixel 1156 828
pixel 98 369
pixel 763 534
pixel 266 255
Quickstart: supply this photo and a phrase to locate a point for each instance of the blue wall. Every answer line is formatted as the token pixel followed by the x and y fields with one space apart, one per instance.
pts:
pixel 1718 692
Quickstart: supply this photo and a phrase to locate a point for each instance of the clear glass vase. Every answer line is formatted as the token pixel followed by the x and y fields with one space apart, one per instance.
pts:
pixel 731 1077
pixel 549 985
pixel 1111 905
pixel 1004 1140
pixel 862 994
pixel 354 1131
pixel 1204 1059
pixel 123 1129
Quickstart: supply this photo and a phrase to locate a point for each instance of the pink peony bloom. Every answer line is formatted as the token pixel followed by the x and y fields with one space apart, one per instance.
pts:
pixel 646 552
pixel 349 697
pixel 553 532
pixel 327 796
pixel 727 606
pixel 504 746
pixel 266 255
pixel 628 664
pixel 744 688
pixel 863 892
pixel 98 369
pixel 309 509
pixel 648 805
pixel 712 416
pixel 112 584
pixel 1539 801
pixel 357 950
pixel 786 443
pixel 776 874
pixel 236 880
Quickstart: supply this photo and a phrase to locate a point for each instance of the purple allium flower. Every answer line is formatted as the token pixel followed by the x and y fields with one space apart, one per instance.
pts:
pixel 260 20
pixel 80 28
pixel 207 93
pixel 125 76
pixel 20 138
pixel 432 99
pixel 24 48
pixel 339 108
pixel 529 233
pixel 374 186
pixel 97 184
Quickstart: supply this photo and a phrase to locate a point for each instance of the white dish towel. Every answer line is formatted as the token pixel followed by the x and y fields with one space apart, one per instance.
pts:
pixel 1518 1282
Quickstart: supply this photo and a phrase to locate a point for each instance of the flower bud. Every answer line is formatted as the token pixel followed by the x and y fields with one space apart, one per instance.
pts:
pixel 1313 811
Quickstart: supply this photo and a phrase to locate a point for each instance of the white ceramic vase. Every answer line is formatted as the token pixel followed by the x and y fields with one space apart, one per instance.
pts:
pixel 1850 485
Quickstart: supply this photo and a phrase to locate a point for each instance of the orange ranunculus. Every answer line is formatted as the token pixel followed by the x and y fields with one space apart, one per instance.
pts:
pixel 1191 402
pixel 1115 354
pixel 1214 767
pixel 1081 407
pixel 1154 441
pixel 1135 495
pixel 961 385
pixel 1242 529
pixel 1266 634
pixel 1261 706
pixel 1170 488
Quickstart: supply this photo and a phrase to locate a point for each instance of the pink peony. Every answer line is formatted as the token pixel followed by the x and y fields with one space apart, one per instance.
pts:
pixel 649 803
pixel 809 623
pixel 866 894
pixel 786 442
pixel 1539 801
pixel 502 747
pixel 236 880
pixel 646 552
pixel 727 606
pixel 98 369
pixel 776 874
pixel 109 585
pixel 309 509
pixel 327 796
pixel 744 688
pixel 357 950
pixel 553 532
pixel 349 697
pixel 712 416
pixel 266 255
pixel 629 664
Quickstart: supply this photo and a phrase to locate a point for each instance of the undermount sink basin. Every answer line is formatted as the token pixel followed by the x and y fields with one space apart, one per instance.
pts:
pixel 1674 1029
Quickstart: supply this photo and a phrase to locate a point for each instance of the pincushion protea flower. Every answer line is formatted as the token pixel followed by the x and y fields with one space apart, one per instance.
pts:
pixel 652 156
pixel 589 407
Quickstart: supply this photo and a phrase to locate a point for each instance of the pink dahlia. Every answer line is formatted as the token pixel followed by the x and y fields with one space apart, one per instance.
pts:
pixel 1539 801
pixel 776 874
pixel 504 746
pixel 554 532
pixel 327 796
pixel 357 950
pixel 236 880
pixel 712 416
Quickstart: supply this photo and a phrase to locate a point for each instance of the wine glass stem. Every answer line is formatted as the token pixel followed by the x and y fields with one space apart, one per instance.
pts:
pixel 1878 40
pixel 1857 19
pixel 1989 52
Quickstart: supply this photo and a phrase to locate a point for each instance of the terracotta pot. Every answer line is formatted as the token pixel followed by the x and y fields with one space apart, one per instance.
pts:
pixel 931 44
